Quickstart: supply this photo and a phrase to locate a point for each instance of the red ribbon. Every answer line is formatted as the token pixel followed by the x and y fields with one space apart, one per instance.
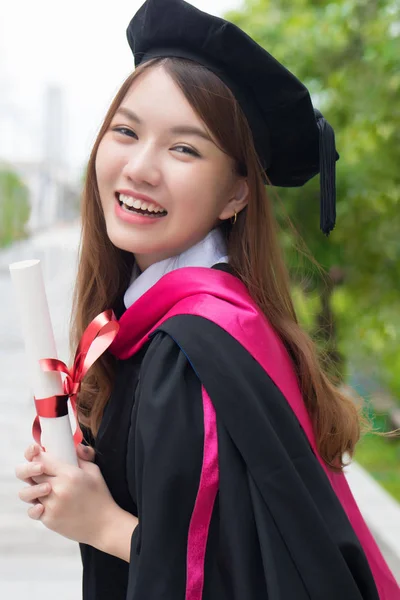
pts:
pixel 97 337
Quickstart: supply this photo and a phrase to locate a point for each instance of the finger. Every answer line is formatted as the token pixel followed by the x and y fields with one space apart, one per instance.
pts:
pixel 40 479
pixel 85 452
pixel 51 465
pixel 28 470
pixel 32 493
pixel 32 451
pixel 36 511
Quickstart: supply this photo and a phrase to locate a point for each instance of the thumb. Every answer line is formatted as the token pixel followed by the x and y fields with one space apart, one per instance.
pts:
pixel 85 452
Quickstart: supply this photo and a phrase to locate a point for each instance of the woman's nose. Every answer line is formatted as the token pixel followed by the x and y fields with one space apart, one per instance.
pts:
pixel 142 166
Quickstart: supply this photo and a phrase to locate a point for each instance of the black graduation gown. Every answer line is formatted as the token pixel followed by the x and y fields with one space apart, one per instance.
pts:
pixel 277 531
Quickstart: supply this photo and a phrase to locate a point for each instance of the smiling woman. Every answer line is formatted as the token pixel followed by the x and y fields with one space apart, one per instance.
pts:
pixel 219 440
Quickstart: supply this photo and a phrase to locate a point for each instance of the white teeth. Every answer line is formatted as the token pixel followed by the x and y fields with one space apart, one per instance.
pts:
pixel 140 204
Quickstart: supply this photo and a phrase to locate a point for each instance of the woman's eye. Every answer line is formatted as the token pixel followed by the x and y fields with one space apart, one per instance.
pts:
pixel 186 150
pixel 125 131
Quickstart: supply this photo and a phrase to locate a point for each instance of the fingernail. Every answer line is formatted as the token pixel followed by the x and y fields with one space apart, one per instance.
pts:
pixel 45 487
pixel 37 468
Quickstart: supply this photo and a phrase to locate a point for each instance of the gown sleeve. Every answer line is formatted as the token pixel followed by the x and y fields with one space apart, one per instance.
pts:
pixel 167 443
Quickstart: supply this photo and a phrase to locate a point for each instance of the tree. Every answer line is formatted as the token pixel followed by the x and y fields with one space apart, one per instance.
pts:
pixel 14 207
pixel 347 54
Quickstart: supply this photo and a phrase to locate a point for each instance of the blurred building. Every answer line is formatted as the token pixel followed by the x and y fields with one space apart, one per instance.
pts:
pixel 36 152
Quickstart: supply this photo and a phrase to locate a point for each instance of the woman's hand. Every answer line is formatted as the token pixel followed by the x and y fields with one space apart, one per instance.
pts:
pixel 72 501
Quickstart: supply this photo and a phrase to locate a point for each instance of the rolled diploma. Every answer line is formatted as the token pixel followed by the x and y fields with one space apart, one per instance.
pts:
pixel 39 341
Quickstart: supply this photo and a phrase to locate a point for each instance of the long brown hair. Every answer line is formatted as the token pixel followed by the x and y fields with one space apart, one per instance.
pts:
pixel 255 255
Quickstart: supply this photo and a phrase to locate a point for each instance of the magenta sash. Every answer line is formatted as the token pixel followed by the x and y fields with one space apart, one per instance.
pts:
pixel 223 299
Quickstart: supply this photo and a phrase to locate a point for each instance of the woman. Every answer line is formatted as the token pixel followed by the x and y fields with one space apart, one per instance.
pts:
pixel 218 439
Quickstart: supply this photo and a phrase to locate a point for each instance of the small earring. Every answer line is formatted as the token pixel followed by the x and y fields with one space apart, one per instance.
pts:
pixel 234 218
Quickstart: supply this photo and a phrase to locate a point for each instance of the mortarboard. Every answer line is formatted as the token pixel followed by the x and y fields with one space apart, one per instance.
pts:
pixel 293 140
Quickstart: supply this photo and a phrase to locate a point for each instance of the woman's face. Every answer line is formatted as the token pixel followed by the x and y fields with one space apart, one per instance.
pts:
pixel 158 156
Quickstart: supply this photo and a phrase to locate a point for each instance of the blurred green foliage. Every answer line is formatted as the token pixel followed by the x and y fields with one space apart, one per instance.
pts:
pixel 381 457
pixel 347 53
pixel 14 207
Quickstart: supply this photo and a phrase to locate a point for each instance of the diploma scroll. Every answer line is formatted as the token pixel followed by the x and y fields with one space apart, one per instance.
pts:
pixel 39 341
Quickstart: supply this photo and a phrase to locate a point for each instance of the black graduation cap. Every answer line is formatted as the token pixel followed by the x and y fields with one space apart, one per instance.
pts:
pixel 293 140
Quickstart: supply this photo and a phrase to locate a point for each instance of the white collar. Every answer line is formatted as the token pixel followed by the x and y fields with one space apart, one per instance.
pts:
pixel 210 251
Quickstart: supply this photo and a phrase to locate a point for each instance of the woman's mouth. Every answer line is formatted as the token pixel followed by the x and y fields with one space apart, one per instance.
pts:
pixel 140 207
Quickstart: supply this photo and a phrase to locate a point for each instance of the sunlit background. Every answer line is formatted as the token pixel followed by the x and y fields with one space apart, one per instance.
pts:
pixel 60 65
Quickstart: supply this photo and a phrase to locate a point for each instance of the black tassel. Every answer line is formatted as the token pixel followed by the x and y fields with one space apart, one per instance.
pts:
pixel 327 163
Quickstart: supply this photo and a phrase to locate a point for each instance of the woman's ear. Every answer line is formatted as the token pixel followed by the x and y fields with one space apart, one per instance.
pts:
pixel 242 192
pixel 238 201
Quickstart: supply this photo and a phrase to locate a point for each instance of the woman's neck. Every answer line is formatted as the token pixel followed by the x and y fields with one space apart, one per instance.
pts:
pixel 206 253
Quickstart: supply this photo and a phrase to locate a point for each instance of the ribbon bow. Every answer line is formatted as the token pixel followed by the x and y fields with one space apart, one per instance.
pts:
pixel 97 337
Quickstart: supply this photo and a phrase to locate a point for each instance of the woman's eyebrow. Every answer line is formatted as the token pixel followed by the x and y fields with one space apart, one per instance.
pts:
pixel 127 112
pixel 190 130
pixel 177 130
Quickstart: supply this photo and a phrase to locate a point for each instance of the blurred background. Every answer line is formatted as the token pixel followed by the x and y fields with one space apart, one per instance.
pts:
pixel 60 65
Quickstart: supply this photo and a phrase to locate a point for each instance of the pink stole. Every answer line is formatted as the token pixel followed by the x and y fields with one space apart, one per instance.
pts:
pixel 224 300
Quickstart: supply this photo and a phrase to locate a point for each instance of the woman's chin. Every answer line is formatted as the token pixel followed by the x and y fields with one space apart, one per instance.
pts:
pixel 128 243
